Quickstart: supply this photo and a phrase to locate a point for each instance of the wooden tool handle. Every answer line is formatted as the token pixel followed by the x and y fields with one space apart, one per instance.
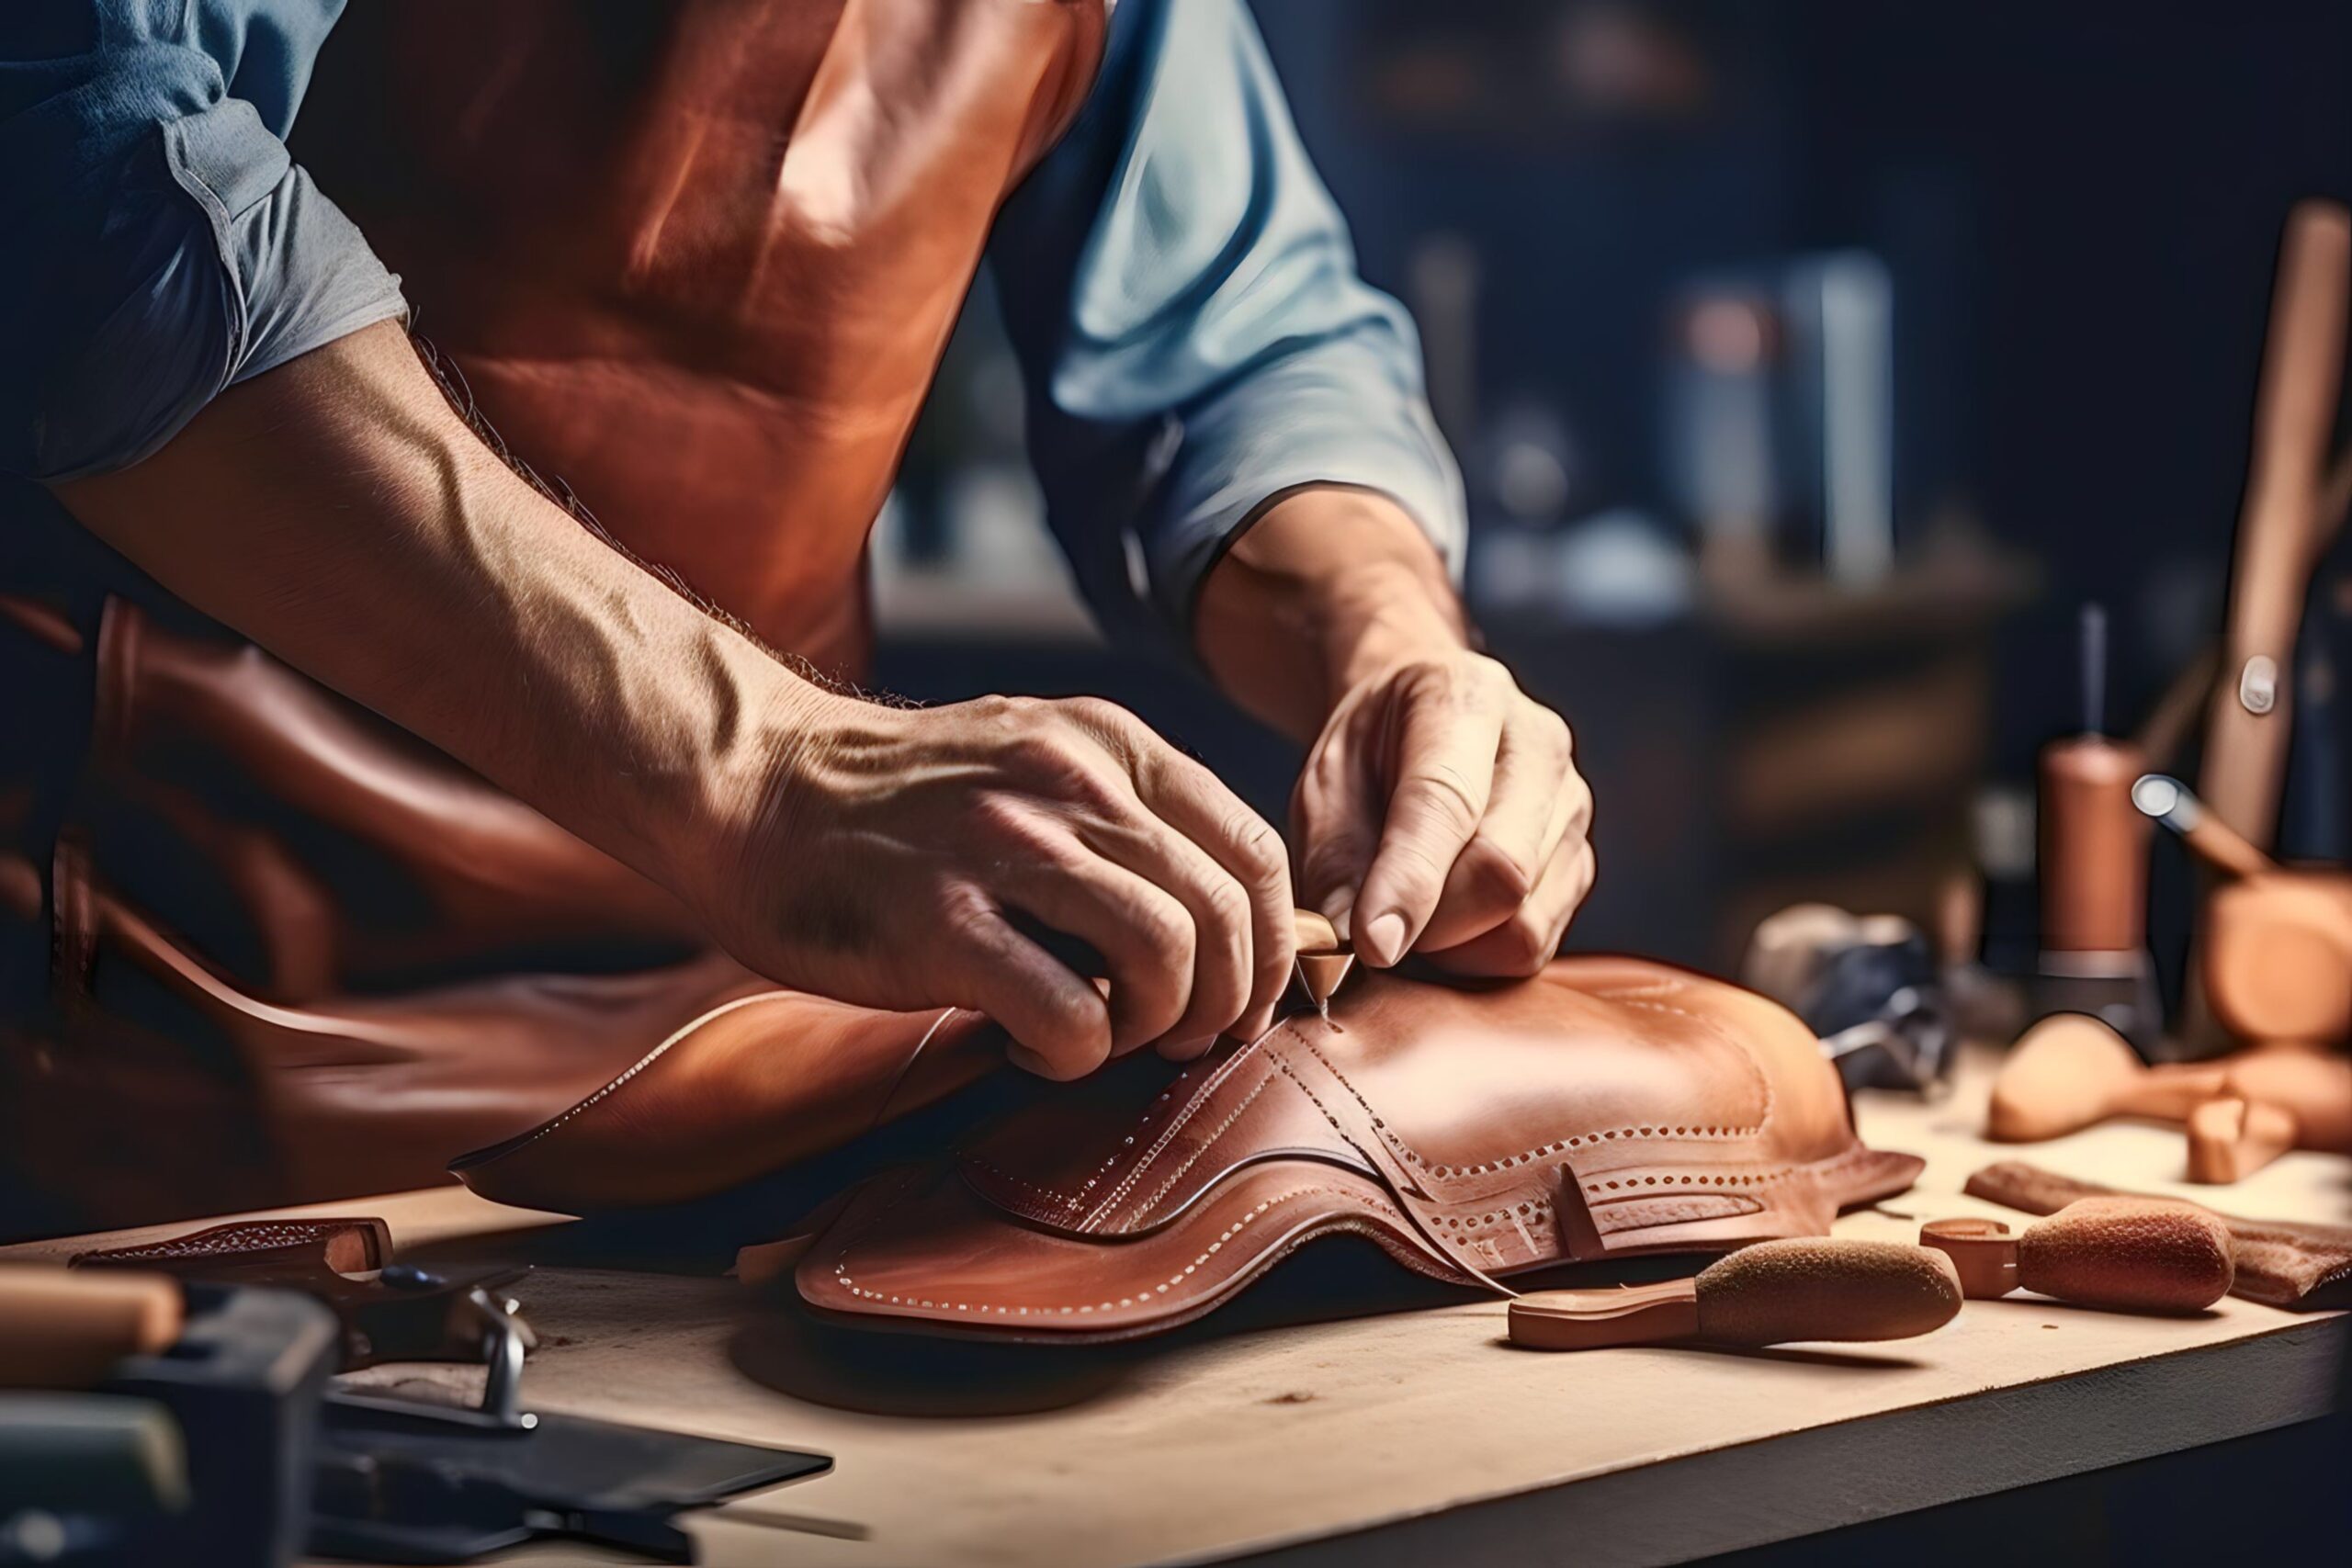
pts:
pixel 1315 933
pixel 2279 526
pixel 1591 1320
pixel 60 1330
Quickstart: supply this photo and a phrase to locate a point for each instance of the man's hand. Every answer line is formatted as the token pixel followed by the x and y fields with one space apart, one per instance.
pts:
pixel 1439 810
pixel 336 511
pixel 900 857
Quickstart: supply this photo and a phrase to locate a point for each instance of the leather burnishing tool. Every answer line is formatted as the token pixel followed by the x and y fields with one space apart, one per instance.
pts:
pixel 2151 1254
pixel 1775 1292
pixel 2292 1264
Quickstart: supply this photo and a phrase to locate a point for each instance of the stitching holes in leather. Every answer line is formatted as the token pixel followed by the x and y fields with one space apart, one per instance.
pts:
pixel 1196 1156
pixel 1176 1124
pixel 848 1283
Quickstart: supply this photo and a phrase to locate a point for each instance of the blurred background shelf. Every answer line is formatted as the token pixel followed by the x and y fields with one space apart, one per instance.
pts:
pixel 1788 349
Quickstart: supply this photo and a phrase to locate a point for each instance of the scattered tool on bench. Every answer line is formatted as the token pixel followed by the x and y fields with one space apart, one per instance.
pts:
pixel 209 1403
pixel 1771 1293
pixel 2155 1255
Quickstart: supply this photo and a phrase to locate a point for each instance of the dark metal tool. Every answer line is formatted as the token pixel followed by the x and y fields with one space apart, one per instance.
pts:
pixel 387 1311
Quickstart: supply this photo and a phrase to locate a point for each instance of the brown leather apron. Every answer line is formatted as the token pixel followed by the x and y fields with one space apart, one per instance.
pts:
pixel 697 261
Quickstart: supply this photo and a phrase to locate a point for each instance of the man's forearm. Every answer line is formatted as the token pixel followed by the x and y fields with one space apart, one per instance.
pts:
pixel 340 514
pixel 1326 588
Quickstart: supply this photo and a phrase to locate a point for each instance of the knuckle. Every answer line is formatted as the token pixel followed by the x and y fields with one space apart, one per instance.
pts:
pixel 1255 841
pixel 1165 931
pixel 1440 800
pixel 1009 827
pixel 1228 903
pixel 1493 876
pixel 1068 1014
pixel 967 915
pixel 1091 710
pixel 1431 680
pixel 996 707
pixel 1556 734
pixel 1527 944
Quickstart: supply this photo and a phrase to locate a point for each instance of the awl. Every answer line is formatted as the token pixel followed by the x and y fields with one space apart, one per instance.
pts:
pixel 1323 959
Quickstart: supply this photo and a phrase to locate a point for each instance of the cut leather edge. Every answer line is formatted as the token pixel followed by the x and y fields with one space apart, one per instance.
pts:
pixel 828 1288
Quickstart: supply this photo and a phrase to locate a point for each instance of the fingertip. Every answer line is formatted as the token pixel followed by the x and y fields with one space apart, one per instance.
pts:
pixel 1030 1061
pixel 1384 940
pixel 1187 1050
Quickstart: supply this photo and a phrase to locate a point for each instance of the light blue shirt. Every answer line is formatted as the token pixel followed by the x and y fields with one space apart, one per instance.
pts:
pixel 1178 287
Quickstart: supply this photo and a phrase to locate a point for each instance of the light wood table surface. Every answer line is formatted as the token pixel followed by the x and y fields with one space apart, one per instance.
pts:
pixel 1414 1434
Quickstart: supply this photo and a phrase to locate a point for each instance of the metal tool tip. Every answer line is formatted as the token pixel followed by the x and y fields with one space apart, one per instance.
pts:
pixel 2166 799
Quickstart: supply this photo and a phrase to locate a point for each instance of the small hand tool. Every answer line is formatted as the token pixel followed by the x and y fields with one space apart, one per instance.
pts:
pixel 1771 1293
pixel 2153 1255
pixel 1323 960
pixel 389 1312
pixel 2168 801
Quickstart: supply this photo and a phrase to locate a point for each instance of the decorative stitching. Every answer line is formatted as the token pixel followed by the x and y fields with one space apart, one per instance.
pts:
pixel 847 1282
pixel 544 1128
pixel 1182 1119
pixel 1529 1155
pixel 1222 1128
pixel 1058 1198
pixel 1714 1181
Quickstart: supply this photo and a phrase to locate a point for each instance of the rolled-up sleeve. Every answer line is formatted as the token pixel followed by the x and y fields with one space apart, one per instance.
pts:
pixel 162 244
pixel 1183 296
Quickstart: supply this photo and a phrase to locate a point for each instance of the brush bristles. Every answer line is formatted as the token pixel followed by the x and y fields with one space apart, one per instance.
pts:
pixel 2138 1254
pixel 1819 1289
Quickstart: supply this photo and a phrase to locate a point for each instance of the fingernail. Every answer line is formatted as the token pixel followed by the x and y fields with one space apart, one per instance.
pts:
pixel 1384 939
pixel 1186 1050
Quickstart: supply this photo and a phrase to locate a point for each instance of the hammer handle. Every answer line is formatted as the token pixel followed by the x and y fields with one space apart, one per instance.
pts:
pixel 60 1330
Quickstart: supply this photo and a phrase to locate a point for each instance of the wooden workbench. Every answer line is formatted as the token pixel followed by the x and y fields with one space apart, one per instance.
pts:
pixel 1266 1429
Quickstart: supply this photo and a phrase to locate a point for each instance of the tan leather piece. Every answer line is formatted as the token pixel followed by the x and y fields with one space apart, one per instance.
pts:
pixel 253 768
pixel 745 1090
pixel 1608 1107
pixel 352 961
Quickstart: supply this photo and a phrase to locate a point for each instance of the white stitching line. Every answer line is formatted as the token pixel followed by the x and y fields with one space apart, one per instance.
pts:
pixel 1527 1156
pixel 843 1279
pixel 1059 1199
pixel 1716 1181
pixel 646 1061
pixel 1194 1158
pixel 1177 1123
pixel 721 1010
